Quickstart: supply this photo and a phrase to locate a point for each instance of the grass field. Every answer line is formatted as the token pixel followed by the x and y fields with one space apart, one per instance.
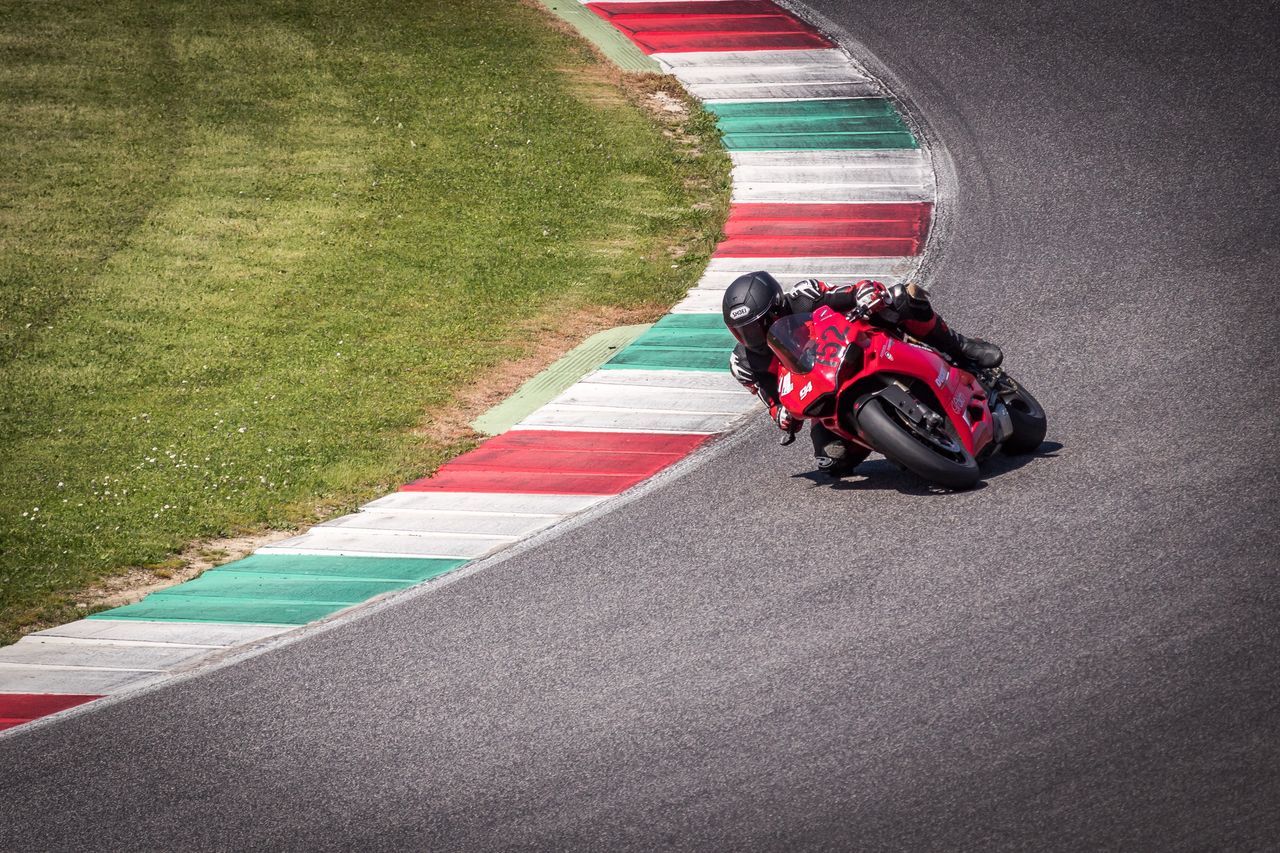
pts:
pixel 248 247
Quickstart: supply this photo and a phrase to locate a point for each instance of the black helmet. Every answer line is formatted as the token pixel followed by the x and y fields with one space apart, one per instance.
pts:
pixel 751 304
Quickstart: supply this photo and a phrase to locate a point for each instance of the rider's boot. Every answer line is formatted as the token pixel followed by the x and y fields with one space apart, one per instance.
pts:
pixel 923 322
pixel 973 351
pixel 835 457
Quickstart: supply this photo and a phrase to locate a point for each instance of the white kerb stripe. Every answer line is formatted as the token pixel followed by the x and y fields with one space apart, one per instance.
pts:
pixel 583 418
pixel 138 630
pixel 823 56
pixel 37 679
pixel 867 172
pixel 830 270
pixel 470 524
pixel 837 71
pixel 703 380
pixel 100 654
pixel 645 398
pixel 790 193
pixel 339 542
pixel 766 92
pixel 700 302
pixel 820 158
pixel 485 501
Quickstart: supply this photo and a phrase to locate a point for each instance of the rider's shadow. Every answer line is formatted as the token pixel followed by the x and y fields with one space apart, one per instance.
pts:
pixel 881 474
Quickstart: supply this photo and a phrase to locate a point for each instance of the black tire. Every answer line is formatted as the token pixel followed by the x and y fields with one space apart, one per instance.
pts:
pixel 887 434
pixel 1029 421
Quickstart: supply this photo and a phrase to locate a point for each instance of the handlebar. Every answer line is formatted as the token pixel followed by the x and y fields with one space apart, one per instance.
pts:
pixel 856 313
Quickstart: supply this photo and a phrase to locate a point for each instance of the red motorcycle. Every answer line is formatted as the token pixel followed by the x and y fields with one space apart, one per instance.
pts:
pixel 881 390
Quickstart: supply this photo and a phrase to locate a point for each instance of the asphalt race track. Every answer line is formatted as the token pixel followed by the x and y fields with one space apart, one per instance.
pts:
pixel 1082 653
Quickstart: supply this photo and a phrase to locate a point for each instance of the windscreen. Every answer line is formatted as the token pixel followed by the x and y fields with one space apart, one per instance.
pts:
pixel 791 340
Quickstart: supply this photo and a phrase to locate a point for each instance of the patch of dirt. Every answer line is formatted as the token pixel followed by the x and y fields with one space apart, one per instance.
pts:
pixel 136 583
pixel 666 101
pixel 193 561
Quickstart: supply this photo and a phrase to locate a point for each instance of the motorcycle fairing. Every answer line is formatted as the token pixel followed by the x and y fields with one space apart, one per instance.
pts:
pixel 818 352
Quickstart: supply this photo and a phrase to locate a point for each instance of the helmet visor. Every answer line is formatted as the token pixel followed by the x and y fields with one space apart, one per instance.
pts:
pixel 753 334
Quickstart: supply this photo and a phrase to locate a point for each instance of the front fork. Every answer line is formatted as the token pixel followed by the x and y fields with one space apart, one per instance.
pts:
pixel 1000 388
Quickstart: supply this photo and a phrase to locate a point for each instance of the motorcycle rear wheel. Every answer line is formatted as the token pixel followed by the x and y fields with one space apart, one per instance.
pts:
pixel 948 465
pixel 1029 420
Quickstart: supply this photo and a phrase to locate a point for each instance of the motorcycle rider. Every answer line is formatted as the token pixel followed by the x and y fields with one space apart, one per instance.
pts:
pixel 755 300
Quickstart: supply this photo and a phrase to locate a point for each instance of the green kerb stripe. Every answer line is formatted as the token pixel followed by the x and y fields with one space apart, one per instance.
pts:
pixel 175 608
pixel 281 589
pixel 819 142
pixel 837 124
pixel 369 568
pixel 679 342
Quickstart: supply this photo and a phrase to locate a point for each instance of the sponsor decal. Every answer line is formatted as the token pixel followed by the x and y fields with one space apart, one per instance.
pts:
pixel 784 383
pixel 739 312
pixel 943 373
pixel 804 392
pixel 885 351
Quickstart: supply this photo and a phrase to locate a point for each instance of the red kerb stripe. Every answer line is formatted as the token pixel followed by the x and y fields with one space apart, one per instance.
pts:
pixel 819 247
pixel 710 25
pixel 714 41
pixel 825 230
pixel 604 442
pixel 19 708
pixel 655 24
pixel 560 462
pixel 525 482
pixel 695 9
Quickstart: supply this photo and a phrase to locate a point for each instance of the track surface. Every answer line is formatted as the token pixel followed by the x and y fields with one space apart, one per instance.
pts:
pixel 1084 653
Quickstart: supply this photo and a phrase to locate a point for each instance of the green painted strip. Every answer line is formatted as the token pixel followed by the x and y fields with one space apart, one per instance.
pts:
pixel 556 379
pixel 679 342
pixel 599 32
pixel 837 124
pixel 370 568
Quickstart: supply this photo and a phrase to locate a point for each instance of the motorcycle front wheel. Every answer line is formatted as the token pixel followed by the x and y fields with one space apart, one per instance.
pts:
pixel 934 455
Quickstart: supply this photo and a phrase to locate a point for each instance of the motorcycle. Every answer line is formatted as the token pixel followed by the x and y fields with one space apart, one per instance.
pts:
pixel 881 390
